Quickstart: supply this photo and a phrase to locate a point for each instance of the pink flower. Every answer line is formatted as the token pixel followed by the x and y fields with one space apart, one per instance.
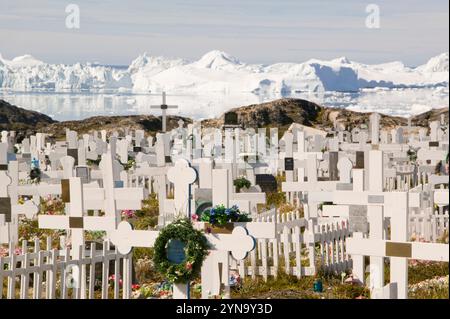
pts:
pixel 135 286
pixel 128 213
pixel 3 252
pixel 188 266
pixel 194 217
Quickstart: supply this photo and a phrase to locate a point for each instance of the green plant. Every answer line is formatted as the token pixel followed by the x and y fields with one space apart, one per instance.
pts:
pixel 95 235
pixel 349 291
pixel 275 198
pixel 35 175
pixel 241 182
pixel 128 165
pixel 142 252
pixel 412 154
pixel 147 216
pixel 147 291
pixel 91 162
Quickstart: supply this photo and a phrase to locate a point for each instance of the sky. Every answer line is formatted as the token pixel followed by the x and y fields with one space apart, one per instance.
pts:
pixel 256 31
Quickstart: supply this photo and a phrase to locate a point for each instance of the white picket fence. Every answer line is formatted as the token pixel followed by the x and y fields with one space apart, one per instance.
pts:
pixel 429 226
pixel 404 180
pixel 30 272
pixel 430 221
pixel 302 247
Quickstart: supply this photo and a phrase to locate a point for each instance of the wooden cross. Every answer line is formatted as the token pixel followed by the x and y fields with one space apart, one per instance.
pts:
pixel 10 208
pixel 182 175
pixel 163 107
pixel 74 219
pixel 313 184
pixel 77 224
pixel 220 258
pixel 403 250
pixel 380 205
pixel 239 242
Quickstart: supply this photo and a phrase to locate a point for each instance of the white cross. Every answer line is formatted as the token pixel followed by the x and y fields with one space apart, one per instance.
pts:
pixel 77 224
pixel 239 242
pixel 182 175
pixel 9 198
pixel 164 108
pixel 399 250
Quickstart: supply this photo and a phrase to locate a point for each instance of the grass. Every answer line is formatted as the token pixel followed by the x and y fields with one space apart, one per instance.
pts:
pixel 426 270
pixel 290 287
pixel 286 286
pixel 283 286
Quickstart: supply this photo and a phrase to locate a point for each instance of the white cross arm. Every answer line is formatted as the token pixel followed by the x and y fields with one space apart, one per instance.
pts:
pixel 125 238
pixel 167 106
pixel 260 229
pixel 304 155
pixel 152 171
pixel 355 198
pixel 414 200
pixel 308 187
pixel 259 198
pixel 126 198
pixel 436 155
pixel 85 223
pixel 438 179
pixel 41 189
pixel 29 209
pixel 239 242
pixel 441 197
pixel 393 147
pixel 4 234
pixel 336 210
pixel 412 250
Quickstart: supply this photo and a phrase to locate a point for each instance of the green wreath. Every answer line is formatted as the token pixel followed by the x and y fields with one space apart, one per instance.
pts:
pixel 196 249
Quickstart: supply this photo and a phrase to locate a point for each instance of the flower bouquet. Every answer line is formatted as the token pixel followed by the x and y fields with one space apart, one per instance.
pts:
pixel 220 220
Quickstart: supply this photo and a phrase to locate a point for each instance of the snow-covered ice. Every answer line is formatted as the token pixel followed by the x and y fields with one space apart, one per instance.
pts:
pixel 217 82
pixel 217 71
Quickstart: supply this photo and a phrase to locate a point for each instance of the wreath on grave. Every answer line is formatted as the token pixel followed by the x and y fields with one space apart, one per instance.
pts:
pixel 195 250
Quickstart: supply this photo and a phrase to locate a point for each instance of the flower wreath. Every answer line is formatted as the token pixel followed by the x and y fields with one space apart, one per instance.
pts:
pixel 196 250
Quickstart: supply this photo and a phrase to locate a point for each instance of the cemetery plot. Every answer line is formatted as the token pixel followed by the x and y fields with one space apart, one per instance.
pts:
pixel 308 203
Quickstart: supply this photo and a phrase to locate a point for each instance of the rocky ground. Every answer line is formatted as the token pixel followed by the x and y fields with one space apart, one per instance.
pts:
pixel 279 113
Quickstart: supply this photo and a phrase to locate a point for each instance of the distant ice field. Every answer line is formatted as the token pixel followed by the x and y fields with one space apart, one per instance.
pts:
pixel 75 106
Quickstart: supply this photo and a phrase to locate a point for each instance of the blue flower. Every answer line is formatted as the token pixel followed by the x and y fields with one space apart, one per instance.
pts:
pixel 227 211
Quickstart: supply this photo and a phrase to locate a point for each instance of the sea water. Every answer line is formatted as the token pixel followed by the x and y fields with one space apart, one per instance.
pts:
pixel 63 106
